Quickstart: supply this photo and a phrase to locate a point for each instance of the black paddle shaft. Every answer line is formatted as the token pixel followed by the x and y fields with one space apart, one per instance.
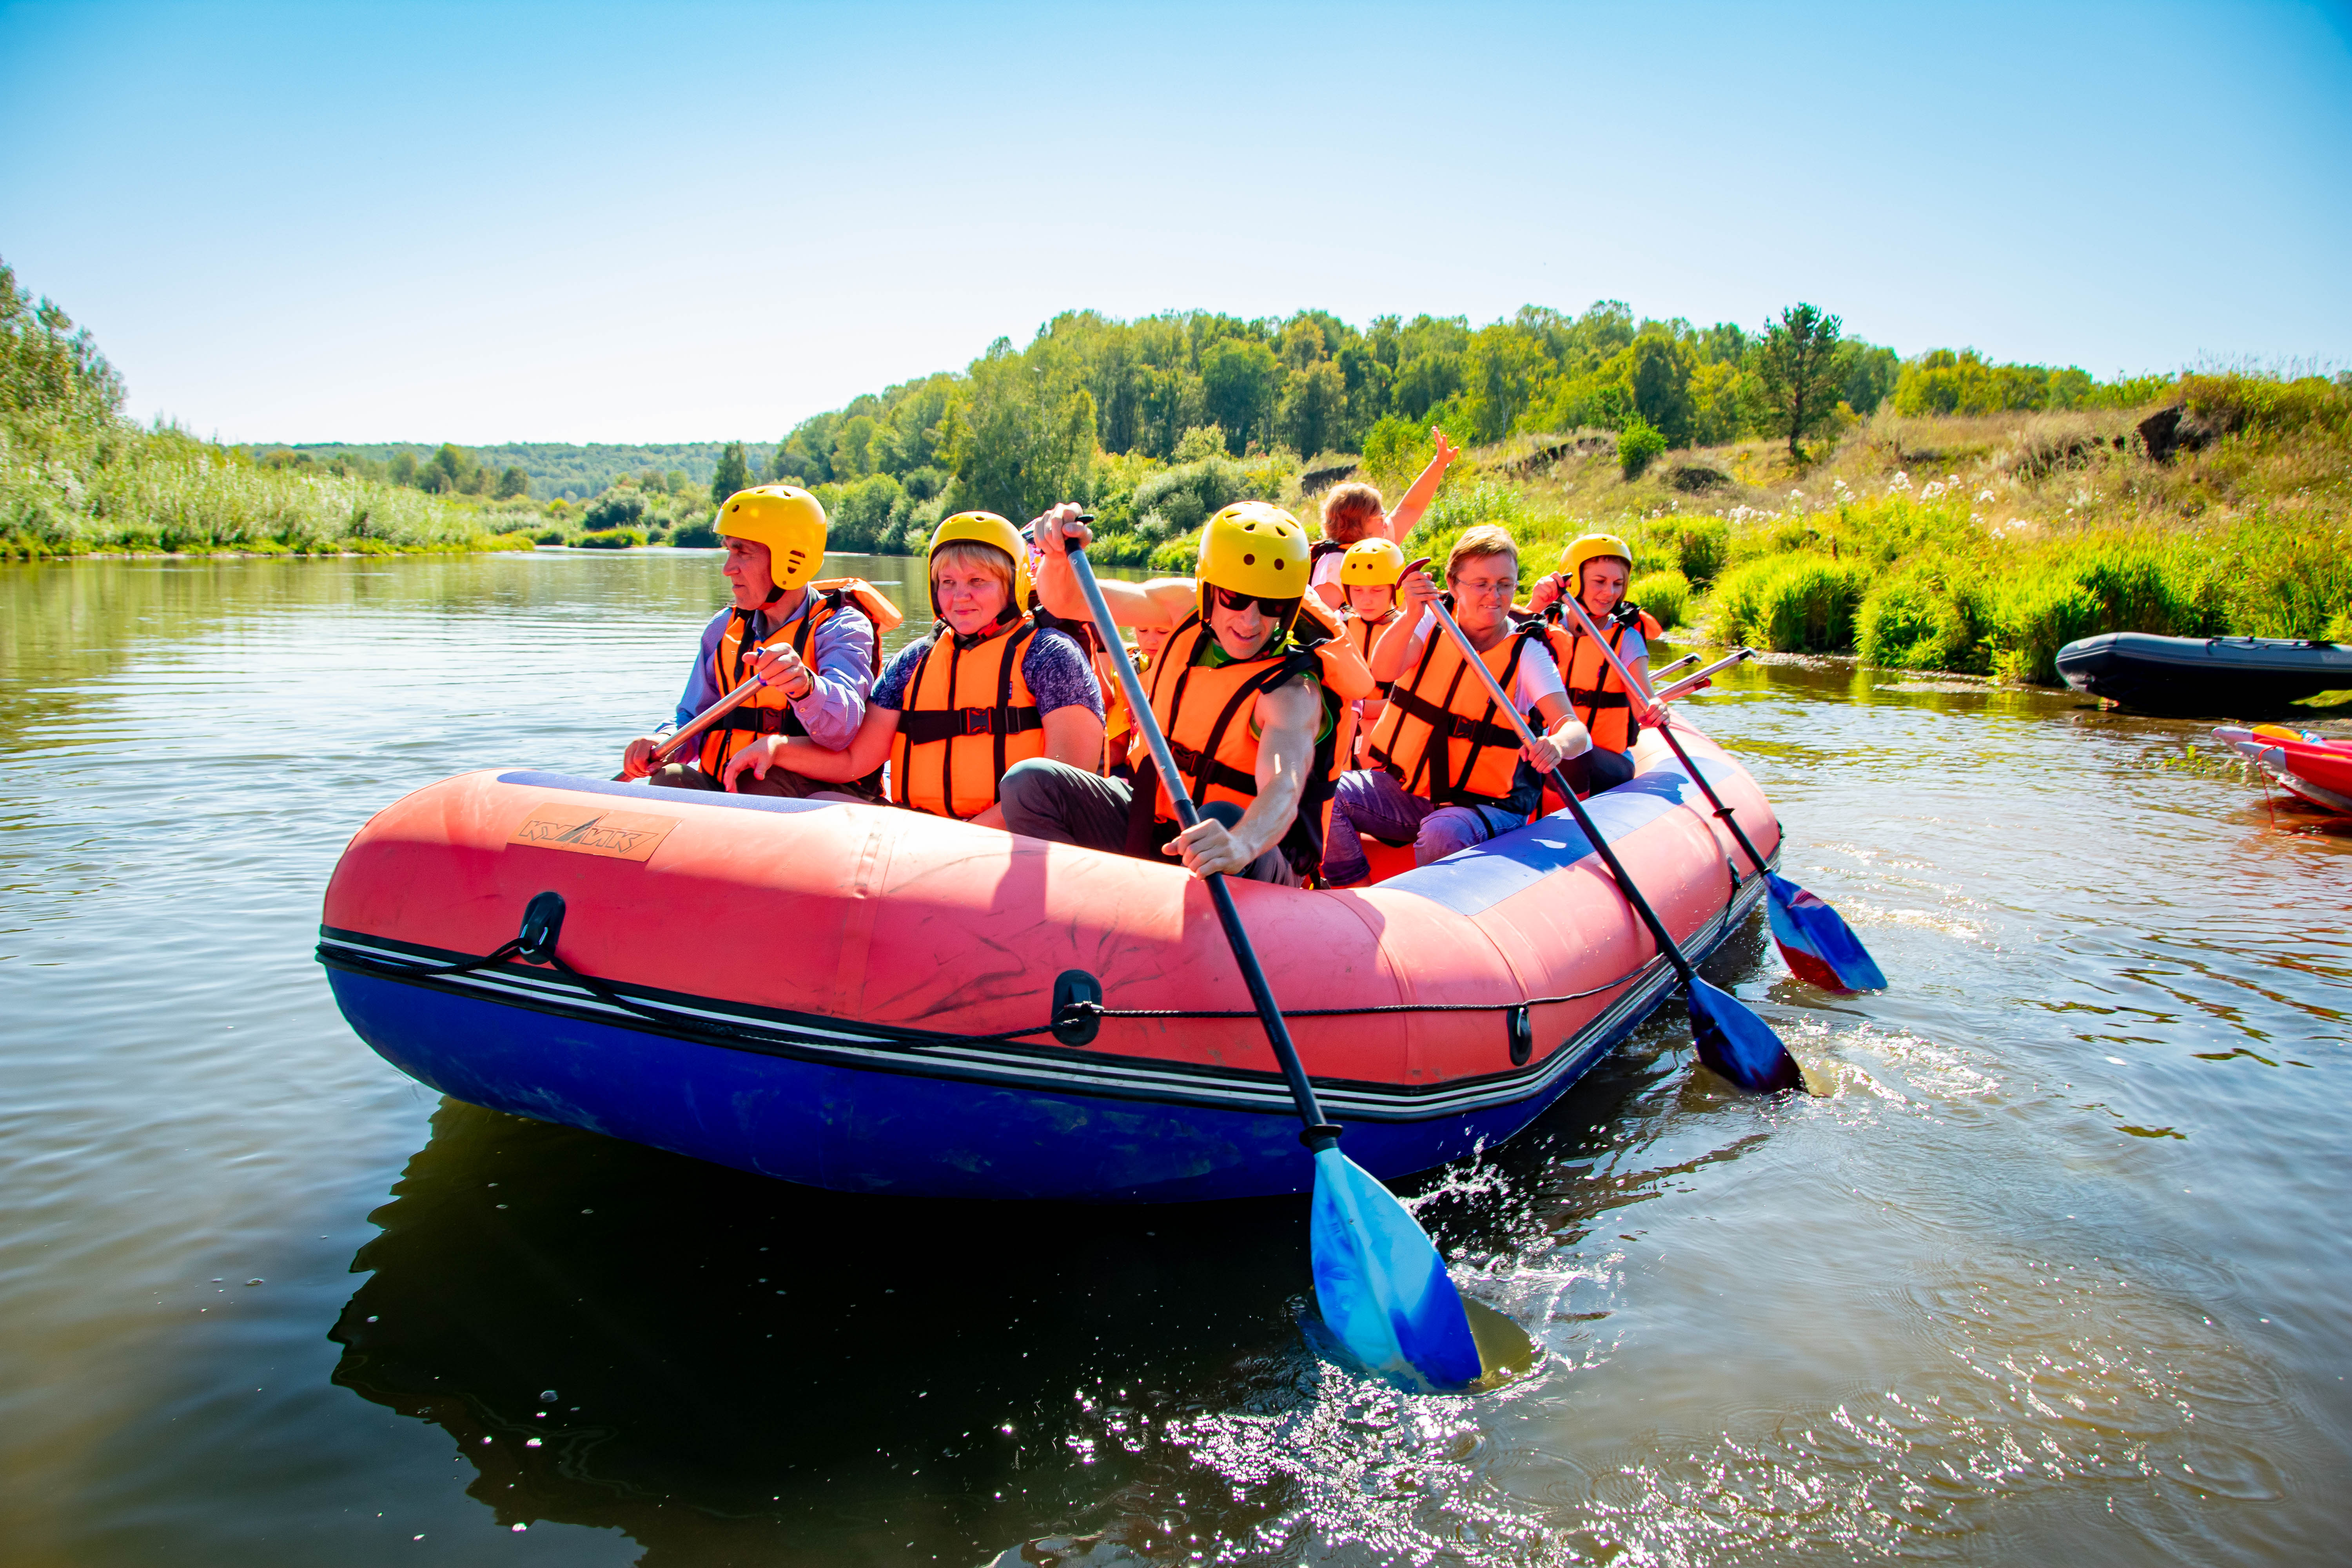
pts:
pixel 1666 728
pixel 1667 946
pixel 1319 1134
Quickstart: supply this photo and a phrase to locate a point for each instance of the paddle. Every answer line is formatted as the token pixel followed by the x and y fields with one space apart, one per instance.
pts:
pixel 1731 1039
pixel 1815 943
pixel 1700 678
pixel 1379 1280
pixel 701 721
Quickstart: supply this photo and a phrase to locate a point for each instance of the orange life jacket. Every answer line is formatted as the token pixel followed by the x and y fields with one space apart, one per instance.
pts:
pixel 1595 691
pixel 1205 712
pixel 968 715
pixel 1442 736
pixel 1361 634
pixel 768 711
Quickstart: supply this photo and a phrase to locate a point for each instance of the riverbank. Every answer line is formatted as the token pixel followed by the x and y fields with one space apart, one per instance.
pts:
pixel 1979 545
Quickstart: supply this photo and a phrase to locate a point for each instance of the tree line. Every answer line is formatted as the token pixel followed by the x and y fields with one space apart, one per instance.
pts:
pixel 1019 428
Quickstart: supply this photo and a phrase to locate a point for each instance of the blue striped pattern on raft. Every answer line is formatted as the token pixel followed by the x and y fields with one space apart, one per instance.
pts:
pixel 1472 882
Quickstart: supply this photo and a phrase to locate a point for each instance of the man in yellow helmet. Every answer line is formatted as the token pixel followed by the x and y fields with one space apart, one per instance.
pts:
pixel 813 644
pixel 1247 689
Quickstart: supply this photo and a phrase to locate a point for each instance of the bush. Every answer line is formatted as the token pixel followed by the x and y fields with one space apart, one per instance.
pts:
pixel 696 535
pixel 1178 557
pixel 1175 502
pixel 1920 620
pixel 1798 603
pixel 1700 546
pixel 614 508
pixel 611 538
pixel 548 536
pixel 1637 446
pixel 1665 594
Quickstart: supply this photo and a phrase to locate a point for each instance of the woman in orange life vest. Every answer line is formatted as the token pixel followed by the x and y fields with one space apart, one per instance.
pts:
pixel 1368 574
pixel 1446 770
pixel 1248 690
pixel 1598 565
pixel 815 647
pixel 1353 512
pixel 988 688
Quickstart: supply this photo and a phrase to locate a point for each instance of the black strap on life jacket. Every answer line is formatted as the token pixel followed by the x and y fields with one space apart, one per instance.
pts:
pixel 1322 547
pixel 1448 725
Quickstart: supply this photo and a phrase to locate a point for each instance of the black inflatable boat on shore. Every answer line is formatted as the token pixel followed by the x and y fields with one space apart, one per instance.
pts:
pixel 2203 676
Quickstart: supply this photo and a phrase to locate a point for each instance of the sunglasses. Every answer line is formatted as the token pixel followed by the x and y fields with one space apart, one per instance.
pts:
pixel 1276 609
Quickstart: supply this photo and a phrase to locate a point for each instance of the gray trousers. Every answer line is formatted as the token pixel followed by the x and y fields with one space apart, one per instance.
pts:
pixel 1063 804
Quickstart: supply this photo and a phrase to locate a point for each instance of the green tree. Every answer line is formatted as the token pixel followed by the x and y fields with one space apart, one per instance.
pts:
pixel 1241 376
pixel 513 482
pixel 1798 372
pixel 1661 379
pixel 732 474
pixel 1314 406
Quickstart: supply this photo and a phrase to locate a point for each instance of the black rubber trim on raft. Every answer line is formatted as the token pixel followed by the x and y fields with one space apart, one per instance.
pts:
pixel 1002 1058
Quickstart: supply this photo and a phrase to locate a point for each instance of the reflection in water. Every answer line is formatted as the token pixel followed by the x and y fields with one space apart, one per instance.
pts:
pixel 806 1374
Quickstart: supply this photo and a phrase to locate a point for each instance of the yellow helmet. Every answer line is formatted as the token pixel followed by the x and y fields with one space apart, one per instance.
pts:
pixel 1254 547
pixel 1593 547
pixel 984 528
pixel 786 518
pixel 1372 563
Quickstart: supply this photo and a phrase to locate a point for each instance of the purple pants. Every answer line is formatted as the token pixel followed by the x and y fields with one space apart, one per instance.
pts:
pixel 1370 801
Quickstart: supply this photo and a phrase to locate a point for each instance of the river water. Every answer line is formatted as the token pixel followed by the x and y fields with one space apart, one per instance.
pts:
pixel 2057 1268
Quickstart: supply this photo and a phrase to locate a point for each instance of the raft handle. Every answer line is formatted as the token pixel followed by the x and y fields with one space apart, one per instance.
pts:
pixel 543 923
pixel 1078 1007
pixel 1522 1031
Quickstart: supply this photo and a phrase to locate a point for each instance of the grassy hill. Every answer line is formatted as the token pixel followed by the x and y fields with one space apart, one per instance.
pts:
pixel 1980 544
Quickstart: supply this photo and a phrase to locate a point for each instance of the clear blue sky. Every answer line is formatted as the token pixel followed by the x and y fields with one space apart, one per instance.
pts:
pixel 583 222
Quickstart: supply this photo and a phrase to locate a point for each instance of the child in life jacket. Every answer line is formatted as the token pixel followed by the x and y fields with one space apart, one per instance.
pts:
pixel 1595 569
pixel 1368 574
pixel 991 687
pixel 1354 512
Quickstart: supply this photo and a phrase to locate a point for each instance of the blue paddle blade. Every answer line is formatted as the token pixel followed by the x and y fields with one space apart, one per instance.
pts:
pixel 1738 1044
pixel 1820 947
pixel 1383 1287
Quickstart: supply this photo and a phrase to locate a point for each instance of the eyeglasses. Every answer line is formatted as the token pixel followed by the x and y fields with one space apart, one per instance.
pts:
pixel 1275 609
pixel 1505 586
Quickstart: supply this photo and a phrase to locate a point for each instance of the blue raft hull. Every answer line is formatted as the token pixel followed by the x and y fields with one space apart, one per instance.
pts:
pixel 864 1129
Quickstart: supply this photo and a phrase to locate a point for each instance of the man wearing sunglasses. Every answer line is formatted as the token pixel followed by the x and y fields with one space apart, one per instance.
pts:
pixel 1247 689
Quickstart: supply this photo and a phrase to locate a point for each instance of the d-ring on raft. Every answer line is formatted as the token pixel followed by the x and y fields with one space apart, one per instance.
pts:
pixel 872 1000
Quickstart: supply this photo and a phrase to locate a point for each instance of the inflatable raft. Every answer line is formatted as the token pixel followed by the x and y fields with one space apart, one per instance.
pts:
pixel 2310 766
pixel 872 1000
pixel 2192 676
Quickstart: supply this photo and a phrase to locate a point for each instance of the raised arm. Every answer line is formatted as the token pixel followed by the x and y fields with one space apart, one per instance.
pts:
pixel 1423 489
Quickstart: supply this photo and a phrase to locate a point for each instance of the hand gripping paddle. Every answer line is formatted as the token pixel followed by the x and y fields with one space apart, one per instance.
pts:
pixel 1731 1039
pixel 1379 1280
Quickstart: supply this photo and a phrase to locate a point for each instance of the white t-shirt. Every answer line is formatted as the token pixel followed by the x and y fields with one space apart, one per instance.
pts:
pixel 1538 676
pixel 1327 570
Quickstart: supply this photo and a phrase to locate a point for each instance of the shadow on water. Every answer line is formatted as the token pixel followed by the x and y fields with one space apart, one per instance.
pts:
pixel 739 1364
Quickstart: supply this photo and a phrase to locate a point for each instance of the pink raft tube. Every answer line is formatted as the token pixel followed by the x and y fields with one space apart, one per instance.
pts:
pixel 872 1000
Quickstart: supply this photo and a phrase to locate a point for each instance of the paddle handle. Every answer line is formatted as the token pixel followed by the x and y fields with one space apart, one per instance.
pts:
pixel 1320 1134
pixel 1670 948
pixel 704 719
pixel 1698 678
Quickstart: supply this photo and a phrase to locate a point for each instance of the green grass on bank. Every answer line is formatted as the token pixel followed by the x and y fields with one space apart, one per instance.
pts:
pixel 1974 544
